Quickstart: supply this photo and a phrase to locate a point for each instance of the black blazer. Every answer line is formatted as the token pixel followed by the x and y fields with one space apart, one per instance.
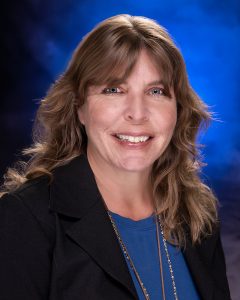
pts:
pixel 57 243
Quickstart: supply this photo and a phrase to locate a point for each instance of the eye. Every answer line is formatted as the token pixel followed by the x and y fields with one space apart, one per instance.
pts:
pixel 158 91
pixel 111 90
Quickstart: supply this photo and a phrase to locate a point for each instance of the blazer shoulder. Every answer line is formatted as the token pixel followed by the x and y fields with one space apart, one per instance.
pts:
pixel 34 195
pixel 208 244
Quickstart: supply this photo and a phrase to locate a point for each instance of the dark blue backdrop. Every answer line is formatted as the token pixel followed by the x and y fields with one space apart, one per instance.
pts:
pixel 40 36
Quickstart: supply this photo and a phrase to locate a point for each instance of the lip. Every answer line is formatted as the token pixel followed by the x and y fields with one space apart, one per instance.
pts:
pixel 143 133
pixel 133 146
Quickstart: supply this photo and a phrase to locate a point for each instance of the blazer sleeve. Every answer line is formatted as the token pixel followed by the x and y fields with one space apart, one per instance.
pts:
pixel 25 252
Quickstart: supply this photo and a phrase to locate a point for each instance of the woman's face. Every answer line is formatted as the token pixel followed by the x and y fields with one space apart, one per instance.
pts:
pixel 129 125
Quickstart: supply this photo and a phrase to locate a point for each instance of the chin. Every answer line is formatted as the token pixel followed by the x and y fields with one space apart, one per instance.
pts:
pixel 136 165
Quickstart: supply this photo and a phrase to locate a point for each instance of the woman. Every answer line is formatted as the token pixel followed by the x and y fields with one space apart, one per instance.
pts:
pixel 110 204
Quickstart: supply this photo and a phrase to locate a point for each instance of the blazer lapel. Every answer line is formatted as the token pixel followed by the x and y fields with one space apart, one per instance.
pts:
pixel 95 234
pixel 74 193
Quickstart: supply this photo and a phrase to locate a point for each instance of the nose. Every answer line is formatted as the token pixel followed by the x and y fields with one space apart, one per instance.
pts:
pixel 136 110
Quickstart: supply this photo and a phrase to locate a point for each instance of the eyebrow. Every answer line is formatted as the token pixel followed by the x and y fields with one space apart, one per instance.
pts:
pixel 119 81
pixel 155 82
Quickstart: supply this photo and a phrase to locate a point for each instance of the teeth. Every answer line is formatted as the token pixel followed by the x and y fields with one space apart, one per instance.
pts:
pixel 132 139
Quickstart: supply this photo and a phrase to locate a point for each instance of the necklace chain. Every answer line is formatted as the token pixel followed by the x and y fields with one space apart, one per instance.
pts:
pixel 144 290
pixel 168 260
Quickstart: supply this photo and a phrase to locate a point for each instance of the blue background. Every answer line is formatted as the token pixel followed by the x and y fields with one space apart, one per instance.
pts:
pixel 40 36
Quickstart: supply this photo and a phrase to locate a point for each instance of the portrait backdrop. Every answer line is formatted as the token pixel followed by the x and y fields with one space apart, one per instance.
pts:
pixel 38 40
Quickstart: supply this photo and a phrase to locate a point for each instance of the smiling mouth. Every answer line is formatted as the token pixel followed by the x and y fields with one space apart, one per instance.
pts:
pixel 133 139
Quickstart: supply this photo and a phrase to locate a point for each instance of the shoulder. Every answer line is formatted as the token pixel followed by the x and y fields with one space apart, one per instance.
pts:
pixel 27 240
pixel 30 201
pixel 207 248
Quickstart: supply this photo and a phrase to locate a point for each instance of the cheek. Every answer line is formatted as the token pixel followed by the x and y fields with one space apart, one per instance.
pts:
pixel 167 120
pixel 100 118
pixel 172 120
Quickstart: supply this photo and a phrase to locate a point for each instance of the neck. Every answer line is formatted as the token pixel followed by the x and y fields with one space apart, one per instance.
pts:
pixel 125 193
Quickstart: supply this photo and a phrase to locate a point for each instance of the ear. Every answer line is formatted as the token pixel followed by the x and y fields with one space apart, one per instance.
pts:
pixel 81 114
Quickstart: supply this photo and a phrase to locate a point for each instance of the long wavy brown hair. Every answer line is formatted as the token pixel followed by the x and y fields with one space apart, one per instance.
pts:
pixel 106 54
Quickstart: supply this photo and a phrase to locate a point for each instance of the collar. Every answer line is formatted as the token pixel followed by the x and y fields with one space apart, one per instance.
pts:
pixel 70 183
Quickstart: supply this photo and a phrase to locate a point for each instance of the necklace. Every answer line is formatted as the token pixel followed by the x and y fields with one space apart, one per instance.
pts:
pixel 144 290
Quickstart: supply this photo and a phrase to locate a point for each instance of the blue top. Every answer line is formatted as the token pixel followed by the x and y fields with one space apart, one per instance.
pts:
pixel 140 240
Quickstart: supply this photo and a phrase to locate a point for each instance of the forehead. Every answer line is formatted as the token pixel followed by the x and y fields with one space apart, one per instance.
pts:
pixel 144 70
pixel 149 68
